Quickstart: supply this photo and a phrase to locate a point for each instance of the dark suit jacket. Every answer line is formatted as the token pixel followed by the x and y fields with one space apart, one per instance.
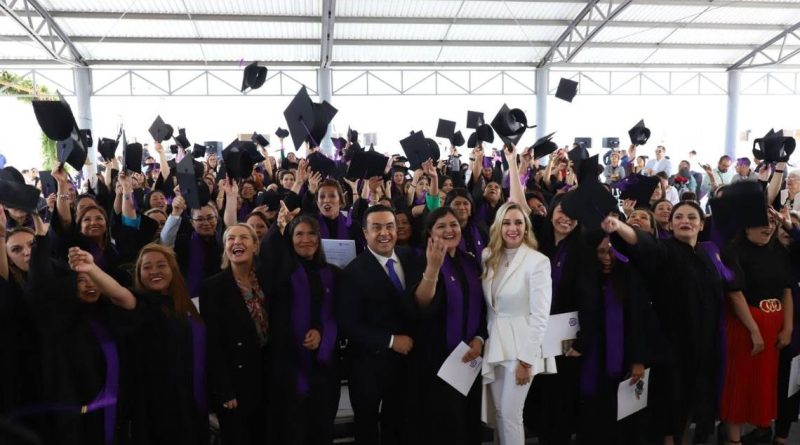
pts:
pixel 236 361
pixel 370 308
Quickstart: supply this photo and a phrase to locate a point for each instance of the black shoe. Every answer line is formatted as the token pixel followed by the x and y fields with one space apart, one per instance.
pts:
pixel 758 436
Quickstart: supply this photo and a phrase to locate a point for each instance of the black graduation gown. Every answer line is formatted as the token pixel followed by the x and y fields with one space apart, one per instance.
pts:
pixel 686 291
pixel 167 412
pixel 302 419
pixel 354 232
pixel 212 255
pixel 20 370
pixel 445 415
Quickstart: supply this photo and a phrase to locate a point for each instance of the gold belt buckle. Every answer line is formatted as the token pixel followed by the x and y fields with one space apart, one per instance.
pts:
pixel 771 305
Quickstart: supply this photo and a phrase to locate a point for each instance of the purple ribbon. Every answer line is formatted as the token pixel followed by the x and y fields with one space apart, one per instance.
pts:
pixel 619 256
pixel 199 364
pixel 557 267
pixel 461 323
pixel 341 228
pixel 197 260
pixel 477 242
pixel 615 345
pixel 663 233
pixel 711 249
pixel 482 212
pixel 301 322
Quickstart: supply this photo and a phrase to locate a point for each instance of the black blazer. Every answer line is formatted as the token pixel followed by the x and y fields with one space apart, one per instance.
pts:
pixel 370 310
pixel 235 360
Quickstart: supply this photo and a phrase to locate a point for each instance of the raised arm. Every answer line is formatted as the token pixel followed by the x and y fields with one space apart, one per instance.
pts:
pixel 434 256
pixel 231 191
pixel 477 164
pixel 614 225
pixel 517 191
pixel 162 160
pixel 82 262
pixel 62 203
pixel 774 186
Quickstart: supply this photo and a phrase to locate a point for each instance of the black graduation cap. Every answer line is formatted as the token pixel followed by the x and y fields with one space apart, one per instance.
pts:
pixel 259 139
pixel 271 199
pixel 254 76
pixel 49 184
pixel 639 188
pixel 445 129
pixel 308 121
pixel 510 124
pixel 232 155
pixel 133 157
pixel 173 148
pixel 544 146
pixel 107 148
pixel 321 163
pixel 774 147
pixel 160 131
pixel 187 182
pixel 567 89
pixel 352 136
pixel 250 156
pixel 457 140
pixel 281 133
pixel 58 123
pixel 588 169
pixel 589 204
pixel 474 119
pixel 577 154
pixel 86 137
pixel 198 151
pixel 639 133
pixel 14 193
pixel 399 168
pixel 418 149
pixel 742 205
pixel 339 142
pixel 71 151
pixel 181 139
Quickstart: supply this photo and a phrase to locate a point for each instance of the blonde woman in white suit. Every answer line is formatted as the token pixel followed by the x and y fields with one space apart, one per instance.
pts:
pixel 517 286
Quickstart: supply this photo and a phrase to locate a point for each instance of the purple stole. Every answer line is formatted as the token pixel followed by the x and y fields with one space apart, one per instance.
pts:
pixel 98 254
pixel 662 233
pixel 477 242
pixel 301 323
pixel 197 261
pixel 199 364
pixel 106 399
pixel 615 344
pixel 456 313
pixel 420 201
pixel 557 266
pixel 341 227
pixel 711 250
pixel 483 212
pixel 245 210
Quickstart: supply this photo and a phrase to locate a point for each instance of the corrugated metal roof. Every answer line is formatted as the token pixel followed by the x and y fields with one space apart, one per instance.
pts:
pixel 271 7
pixel 372 31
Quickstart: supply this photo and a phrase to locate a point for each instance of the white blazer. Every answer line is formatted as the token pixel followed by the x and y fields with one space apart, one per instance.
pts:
pixel 517 320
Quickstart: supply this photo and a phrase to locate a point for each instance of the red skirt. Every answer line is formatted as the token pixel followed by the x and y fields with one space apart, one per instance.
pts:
pixel 749 394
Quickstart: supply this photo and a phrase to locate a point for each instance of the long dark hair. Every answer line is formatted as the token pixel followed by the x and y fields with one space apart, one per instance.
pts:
pixel 288 234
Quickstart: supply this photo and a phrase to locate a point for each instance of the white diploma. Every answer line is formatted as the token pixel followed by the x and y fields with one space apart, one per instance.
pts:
pixel 560 329
pixel 458 374
pixel 632 398
pixel 794 376
pixel 339 252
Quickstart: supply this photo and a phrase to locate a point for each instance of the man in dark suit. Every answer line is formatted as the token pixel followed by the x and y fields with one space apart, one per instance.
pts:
pixel 376 315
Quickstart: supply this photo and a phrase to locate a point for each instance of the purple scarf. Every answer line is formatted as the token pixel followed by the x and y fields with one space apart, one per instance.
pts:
pixel 301 323
pixel 197 264
pixel 727 275
pixel 477 242
pixel 341 227
pixel 614 347
pixel 663 233
pixel 98 254
pixel 457 314
pixel 557 266
pixel 199 364
pixel 712 251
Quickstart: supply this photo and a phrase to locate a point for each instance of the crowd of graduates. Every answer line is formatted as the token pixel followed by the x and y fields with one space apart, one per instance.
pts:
pixel 136 302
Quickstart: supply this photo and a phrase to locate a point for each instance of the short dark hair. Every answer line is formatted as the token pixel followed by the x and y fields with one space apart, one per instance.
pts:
pixel 374 209
pixel 458 192
pixel 724 158
pixel 434 216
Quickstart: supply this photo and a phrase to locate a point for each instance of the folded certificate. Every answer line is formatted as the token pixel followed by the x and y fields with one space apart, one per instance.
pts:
pixel 458 374
pixel 632 398
pixel 339 252
pixel 794 376
pixel 561 329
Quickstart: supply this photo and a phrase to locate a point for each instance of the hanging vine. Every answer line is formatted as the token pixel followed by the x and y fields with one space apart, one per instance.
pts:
pixel 14 85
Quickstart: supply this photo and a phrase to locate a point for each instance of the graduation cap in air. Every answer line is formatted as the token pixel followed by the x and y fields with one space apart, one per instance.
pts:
pixel 254 76
pixel 182 140
pixel 198 151
pixel 308 121
pixel 49 184
pixel 250 156
pixel 232 157
pixel 58 123
pixel 259 139
pixel 639 188
pixel 510 124
pixel 588 169
pixel 107 148
pixel 86 137
pixel 639 133
pixel 14 193
pixel 320 163
pixel 281 133
pixel 160 131
pixel 367 164
pixel 741 206
pixel 544 146
pixel 418 149
pixel 457 139
pixel 271 199
pixel 132 154
pixel 445 129
pixel 339 143
pixel 774 147
pixel 187 182
pixel 352 136
pixel 589 204
pixel 567 89
pixel 474 119
pixel 173 148
pixel 483 133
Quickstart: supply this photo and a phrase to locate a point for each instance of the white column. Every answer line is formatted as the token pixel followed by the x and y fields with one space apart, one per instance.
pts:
pixel 83 117
pixel 325 91
pixel 542 87
pixel 732 122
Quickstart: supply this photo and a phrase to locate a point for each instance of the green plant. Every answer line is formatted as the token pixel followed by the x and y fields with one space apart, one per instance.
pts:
pixel 14 85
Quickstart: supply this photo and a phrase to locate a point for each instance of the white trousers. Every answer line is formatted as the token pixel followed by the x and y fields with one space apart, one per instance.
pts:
pixel 509 400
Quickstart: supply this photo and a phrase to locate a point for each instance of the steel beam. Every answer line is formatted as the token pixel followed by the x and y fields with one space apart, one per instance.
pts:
pixel 326 40
pixel 46 33
pixel 779 43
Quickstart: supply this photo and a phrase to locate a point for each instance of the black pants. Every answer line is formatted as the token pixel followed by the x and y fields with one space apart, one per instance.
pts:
pixel 381 383
pixel 551 408
pixel 239 427
pixel 446 416
pixel 788 407
pixel 309 419
pixel 598 422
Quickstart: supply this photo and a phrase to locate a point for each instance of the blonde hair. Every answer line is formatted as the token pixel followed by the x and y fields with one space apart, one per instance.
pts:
pixel 226 262
pixel 177 287
pixel 495 246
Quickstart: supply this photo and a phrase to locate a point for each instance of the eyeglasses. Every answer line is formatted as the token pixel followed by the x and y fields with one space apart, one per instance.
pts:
pixel 208 219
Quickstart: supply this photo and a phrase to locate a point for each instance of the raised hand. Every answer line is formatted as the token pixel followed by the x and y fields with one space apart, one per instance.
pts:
pixel 435 252
pixel 80 261
pixel 178 206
